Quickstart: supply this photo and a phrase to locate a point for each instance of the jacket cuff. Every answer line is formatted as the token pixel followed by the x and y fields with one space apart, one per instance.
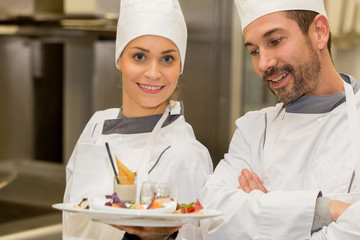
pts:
pixel 322 216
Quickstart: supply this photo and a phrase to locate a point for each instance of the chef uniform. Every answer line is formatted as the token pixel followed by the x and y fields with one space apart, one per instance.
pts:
pixel 299 151
pixel 165 143
pixel 274 142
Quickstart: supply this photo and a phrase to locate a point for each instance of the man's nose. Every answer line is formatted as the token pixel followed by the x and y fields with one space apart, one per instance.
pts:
pixel 267 60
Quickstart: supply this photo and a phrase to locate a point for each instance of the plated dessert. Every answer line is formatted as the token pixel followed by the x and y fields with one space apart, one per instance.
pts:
pixel 114 201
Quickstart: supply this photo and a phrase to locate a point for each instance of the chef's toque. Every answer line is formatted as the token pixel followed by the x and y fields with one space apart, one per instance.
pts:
pixel 151 17
pixel 250 10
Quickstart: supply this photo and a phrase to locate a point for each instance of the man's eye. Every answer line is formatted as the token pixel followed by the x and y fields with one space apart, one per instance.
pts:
pixel 276 42
pixel 254 52
pixel 168 59
pixel 139 57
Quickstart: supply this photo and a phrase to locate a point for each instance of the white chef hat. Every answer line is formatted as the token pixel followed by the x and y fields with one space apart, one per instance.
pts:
pixel 151 17
pixel 250 10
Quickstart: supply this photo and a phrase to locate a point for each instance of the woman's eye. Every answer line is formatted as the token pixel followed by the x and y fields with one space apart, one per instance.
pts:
pixel 168 59
pixel 139 57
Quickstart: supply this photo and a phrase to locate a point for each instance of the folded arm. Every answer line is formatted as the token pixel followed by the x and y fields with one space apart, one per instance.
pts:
pixel 326 210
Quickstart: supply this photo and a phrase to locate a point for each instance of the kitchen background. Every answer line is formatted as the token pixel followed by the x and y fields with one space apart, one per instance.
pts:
pixel 57 68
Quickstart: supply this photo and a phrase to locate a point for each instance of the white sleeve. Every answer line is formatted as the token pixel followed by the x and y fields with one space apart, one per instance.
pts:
pixel 346 227
pixel 275 215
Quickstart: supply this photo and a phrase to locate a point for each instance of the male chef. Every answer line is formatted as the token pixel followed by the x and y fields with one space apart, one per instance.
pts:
pixel 292 170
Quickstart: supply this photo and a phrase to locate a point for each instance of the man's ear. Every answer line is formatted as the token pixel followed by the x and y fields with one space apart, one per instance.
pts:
pixel 322 31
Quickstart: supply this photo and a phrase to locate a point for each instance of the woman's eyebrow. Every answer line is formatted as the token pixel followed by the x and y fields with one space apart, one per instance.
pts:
pixel 142 49
pixel 168 51
pixel 146 50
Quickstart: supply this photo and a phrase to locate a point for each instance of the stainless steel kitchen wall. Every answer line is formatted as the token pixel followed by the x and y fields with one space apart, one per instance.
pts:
pixel 206 75
pixel 16 98
pixel 31 97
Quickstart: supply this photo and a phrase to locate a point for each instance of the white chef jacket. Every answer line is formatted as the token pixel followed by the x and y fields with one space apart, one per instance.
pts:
pixel 296 155
pixel 176 156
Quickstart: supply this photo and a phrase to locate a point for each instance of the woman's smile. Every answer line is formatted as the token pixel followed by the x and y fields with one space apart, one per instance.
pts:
pixel 152 89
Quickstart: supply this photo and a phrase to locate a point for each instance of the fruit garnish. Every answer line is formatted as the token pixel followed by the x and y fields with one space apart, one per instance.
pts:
pixel 116 200
pixel 191 207
pixel 137 206
pixel 156 205
pixel 187 208
pixel 116 205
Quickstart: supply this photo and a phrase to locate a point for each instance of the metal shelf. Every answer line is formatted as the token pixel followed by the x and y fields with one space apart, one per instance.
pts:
pixel 73 27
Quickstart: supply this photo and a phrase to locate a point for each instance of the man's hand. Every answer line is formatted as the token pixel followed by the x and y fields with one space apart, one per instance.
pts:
pixel 250 181
pixel 337 208
pixel 149 233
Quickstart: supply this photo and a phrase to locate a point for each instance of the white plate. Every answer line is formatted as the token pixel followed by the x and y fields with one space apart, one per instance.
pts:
pixel 131 217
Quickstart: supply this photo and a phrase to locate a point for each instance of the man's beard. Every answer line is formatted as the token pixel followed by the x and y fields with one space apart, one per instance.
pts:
pixel 305 78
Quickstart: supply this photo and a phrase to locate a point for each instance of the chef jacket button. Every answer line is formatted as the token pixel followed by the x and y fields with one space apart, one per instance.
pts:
pixel 320 119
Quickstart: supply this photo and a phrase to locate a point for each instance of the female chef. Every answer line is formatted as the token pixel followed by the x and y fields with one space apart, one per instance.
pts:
pixel 149 129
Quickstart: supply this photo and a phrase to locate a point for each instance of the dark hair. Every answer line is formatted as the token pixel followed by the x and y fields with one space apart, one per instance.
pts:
pixel 304 18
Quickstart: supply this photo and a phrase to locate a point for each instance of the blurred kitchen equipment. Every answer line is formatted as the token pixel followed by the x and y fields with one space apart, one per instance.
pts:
pixel 91 7
pixel 8 173
pixel 30 8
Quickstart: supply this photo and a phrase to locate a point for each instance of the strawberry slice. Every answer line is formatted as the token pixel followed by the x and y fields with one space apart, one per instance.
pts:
pixel 191 207
pixel 197 206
